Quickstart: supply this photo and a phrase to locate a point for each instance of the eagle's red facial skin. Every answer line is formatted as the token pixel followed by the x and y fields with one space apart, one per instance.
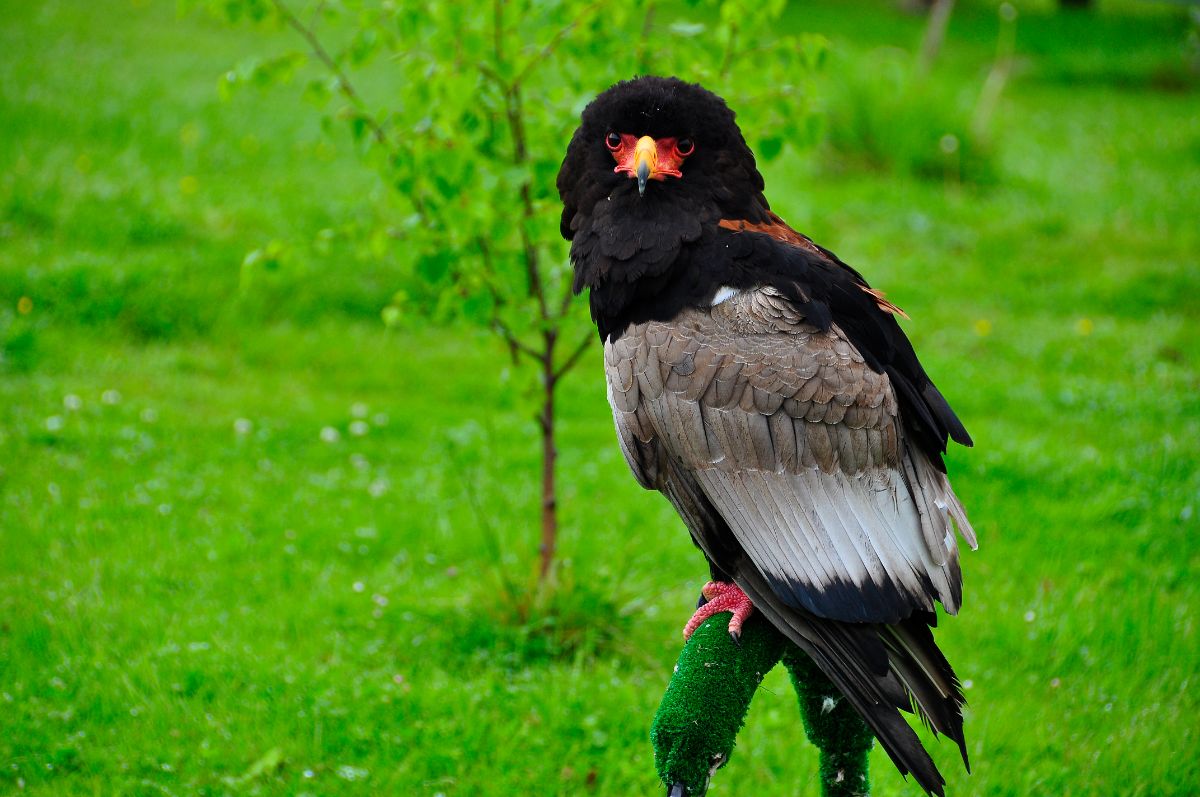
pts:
pixel 665 162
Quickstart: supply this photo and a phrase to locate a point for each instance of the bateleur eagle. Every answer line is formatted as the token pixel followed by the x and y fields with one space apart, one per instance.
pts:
pixel 767 391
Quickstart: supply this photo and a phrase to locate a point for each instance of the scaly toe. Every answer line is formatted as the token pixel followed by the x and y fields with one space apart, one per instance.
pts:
pixel 722 597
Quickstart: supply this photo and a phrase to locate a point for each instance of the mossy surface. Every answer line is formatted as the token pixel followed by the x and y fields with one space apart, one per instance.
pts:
pixel 833 726
pixel 708 697
pixel 705 706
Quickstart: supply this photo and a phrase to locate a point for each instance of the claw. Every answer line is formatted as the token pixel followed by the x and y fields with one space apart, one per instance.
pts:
pixel 721 597
pixel 677 790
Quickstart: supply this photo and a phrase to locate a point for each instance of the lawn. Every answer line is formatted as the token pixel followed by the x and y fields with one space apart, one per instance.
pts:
pixel 253 542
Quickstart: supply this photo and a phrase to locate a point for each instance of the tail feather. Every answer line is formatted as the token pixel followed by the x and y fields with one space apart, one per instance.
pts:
pixel 921 666
pixel 882 670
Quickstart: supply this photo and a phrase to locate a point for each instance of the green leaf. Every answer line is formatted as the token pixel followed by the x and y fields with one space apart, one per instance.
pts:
pixel 477 306
pixel 279 69
pixel 318 91
pixel 359 125
pixel 364 45
pixel 769 148
pixel 432 267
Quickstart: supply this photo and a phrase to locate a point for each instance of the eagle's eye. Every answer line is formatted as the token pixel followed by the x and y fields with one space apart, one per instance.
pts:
pixel 612 141
pixel 685 146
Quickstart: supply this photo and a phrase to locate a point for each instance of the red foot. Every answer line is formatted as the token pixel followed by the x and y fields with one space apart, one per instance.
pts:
pixel 721 597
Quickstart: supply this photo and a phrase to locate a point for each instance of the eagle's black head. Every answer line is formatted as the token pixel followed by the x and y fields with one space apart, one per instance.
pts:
pixel 655 141
pixel 654 165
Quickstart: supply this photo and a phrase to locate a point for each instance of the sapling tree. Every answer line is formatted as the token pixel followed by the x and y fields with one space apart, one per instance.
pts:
pixel 465 110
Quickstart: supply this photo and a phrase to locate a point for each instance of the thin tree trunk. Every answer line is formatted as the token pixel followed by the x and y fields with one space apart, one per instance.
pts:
pixel 549 456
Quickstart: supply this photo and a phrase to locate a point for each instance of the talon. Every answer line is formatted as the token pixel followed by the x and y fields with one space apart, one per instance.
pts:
pixel 721 597
pixel 677 790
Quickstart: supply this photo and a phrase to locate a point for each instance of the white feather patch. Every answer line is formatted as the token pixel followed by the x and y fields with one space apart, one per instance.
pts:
pixel 724 294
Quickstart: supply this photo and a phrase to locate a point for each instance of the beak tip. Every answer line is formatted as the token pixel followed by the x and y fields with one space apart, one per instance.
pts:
pixel 643 176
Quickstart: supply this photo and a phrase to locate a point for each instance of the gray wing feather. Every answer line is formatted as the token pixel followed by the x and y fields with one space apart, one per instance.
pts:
pixel 797 444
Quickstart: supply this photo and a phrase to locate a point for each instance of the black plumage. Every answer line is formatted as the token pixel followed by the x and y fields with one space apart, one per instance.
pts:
pixel 646 258
pixel 768 392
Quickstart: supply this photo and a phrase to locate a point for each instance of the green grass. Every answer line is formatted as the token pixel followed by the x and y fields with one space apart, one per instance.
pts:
pixel 204 590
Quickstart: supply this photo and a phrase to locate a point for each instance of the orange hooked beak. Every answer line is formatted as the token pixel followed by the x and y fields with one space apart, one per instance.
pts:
pixel 647 159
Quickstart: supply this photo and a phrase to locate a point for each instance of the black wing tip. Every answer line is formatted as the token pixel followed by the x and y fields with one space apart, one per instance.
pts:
pixel 911 758
pixel 958 434
pixel 954 427
pixel 845 652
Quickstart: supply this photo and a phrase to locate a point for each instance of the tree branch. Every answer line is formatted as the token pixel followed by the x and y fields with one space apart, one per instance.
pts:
pixel 494 76
pixel 344 85
pixel 521 155
pixel 514 112
pixel 568 295
pixel 555 40
pixel 573 359
pixel 315 15
pixel 498 30
pixel 516 346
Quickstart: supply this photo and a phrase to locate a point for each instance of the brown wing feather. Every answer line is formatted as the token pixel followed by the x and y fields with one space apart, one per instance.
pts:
pixel 798 444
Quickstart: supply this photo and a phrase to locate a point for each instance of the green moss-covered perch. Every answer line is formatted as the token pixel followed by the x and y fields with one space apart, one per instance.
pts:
pixel 708 697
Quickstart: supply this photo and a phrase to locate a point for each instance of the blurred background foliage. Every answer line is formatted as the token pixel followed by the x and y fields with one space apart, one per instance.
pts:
pixel 462 109
pixel 269 480
pixel 458 104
